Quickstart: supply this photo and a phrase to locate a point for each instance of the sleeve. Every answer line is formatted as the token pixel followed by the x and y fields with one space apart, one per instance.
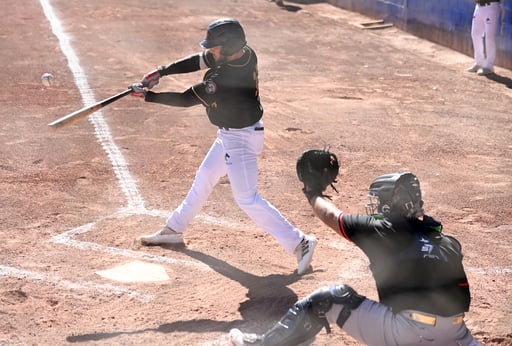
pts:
pixel 191 63
pixel 357 227
pixel 184 99
pixel 342 227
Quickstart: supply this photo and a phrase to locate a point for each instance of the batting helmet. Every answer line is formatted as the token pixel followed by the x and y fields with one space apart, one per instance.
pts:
pixel 225 32
pixel 396 193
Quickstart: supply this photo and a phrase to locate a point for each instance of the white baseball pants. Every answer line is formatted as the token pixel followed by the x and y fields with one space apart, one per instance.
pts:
pixel 235 152
pixel 485 27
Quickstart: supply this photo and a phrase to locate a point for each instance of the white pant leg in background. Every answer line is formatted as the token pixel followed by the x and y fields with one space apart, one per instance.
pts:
pixel 485 27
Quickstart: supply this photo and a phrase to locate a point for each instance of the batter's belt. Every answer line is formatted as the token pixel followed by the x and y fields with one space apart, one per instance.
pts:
pixel 257 128
pixel 433 320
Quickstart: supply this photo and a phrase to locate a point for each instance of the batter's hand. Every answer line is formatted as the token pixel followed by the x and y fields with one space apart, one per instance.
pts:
pixel 150 79
pixel 138 90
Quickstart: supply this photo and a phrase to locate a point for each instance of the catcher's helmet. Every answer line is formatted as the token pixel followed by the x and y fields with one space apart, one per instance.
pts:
pixel 396 193
pixel 225 32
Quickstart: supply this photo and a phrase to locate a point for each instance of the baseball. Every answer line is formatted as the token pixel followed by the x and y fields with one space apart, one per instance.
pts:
pixel 47 79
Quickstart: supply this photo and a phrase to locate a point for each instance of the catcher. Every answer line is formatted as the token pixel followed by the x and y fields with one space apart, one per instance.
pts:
pixel 422 287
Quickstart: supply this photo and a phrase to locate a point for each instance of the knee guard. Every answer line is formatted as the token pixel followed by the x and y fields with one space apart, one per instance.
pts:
pixel 296 326
pixel 348 297
pixel 307 317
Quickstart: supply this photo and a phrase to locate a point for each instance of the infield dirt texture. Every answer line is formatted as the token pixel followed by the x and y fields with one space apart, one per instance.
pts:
pixel 74 201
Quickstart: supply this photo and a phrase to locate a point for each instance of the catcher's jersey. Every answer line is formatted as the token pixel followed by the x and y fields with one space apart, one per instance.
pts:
pixel 230 91
pixel 415 266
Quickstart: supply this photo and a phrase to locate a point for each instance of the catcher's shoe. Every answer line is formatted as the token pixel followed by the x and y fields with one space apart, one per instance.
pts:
pixel 304 253
pixel 165 236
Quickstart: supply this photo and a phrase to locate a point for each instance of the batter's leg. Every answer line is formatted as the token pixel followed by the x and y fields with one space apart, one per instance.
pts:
pixel 243 148
pixel 208 175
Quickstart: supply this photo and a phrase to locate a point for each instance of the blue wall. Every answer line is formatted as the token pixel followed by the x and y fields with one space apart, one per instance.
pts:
pixel 447 22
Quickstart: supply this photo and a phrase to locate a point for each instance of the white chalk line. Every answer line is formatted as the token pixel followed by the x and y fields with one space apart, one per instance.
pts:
pixel 101 128
pixel 135 202
pixel 361 270
pixel 496 270
pixel 105 289
pixel 66 238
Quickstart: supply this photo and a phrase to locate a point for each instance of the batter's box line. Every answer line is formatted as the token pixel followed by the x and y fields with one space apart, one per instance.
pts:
pixel 67 238
pixel 362 271
pixel 496 270
pixel 88 286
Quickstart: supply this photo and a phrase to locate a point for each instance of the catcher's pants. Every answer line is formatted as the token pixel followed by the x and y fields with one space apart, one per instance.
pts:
pixel 375 324
pixel 235 152
pixel 485 27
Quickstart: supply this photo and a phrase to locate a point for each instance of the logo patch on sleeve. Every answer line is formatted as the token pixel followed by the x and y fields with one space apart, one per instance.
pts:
pixel 210 87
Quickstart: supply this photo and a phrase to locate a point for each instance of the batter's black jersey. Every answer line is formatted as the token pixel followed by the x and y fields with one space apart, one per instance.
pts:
pixel 415 266
pixel 230 91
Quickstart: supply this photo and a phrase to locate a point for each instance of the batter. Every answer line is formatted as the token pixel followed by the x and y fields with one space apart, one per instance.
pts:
pixel 229 92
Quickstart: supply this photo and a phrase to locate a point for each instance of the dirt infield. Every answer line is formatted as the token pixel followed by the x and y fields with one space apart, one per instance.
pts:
pixel 74 201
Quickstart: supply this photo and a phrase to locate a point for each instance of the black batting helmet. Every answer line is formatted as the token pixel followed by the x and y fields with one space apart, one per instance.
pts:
pixel 225 32
pixel 396 193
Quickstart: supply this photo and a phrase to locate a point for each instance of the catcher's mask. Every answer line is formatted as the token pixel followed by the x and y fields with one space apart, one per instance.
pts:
pixel 396 193
pixel 225 32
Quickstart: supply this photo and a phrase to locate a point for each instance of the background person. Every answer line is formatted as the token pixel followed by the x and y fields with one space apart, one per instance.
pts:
pixel 484 30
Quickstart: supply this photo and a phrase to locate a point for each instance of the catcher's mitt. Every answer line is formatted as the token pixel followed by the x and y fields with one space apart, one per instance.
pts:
pixel 317 169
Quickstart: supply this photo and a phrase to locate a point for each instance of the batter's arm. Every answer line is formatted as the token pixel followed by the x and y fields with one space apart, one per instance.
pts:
pixel 177 99
pixel 188 64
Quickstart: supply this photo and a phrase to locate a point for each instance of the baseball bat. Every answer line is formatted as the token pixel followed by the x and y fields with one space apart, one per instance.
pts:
pixel 88 110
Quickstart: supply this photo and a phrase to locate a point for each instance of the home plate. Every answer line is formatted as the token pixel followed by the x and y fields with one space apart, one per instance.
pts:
pixel 135 271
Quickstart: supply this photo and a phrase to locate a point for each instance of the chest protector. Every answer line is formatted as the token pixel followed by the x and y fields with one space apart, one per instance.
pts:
pixel 425 274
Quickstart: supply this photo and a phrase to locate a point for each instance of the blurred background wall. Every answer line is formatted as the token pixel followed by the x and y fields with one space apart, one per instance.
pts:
pixel 446 22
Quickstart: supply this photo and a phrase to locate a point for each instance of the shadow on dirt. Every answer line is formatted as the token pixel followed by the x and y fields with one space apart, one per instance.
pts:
pixel 306 2
pixel 268 296
pixel 500 79
pixel 194 326
pixel 292 8
pixel 268 300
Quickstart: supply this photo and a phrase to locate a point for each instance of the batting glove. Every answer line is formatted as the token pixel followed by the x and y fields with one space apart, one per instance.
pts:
pixel 150 79
pixel 138 90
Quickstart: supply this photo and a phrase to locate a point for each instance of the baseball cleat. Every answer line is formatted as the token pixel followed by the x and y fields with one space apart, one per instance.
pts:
pixel 484 71
pixel 304 253
pixel 474 68
pixel 165 236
